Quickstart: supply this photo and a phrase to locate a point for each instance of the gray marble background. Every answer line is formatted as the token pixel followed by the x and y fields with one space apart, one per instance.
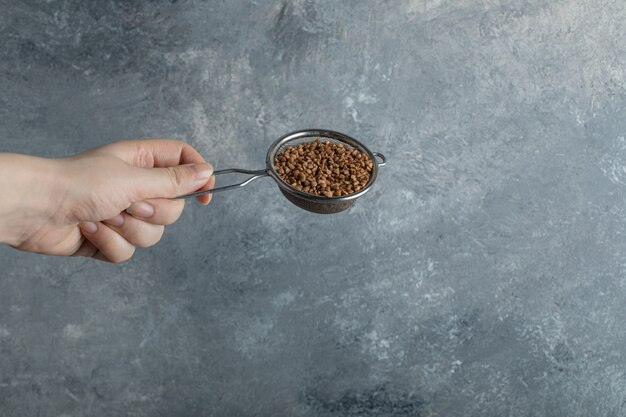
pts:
pixel 485 275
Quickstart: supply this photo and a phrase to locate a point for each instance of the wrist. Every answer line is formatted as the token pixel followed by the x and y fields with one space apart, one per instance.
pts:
pixel 32 190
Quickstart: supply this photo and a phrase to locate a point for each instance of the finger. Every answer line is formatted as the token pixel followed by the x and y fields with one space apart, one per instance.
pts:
pixel 149 153
pixel 165 211
pixel 170 182
pixel 135 231
pixel 110 244
pixel 99 256
pixel 155 153
pixel 206 198
pixel 161 211
pixel 86 249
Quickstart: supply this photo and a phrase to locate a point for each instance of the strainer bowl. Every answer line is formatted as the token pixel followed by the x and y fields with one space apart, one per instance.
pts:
pixel 316 203
pixel 306 201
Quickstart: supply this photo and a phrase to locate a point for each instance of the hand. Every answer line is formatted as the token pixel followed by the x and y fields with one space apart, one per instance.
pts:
pixel 101 203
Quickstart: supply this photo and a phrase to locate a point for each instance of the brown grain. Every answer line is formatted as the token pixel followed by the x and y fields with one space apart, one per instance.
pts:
pixel 324 168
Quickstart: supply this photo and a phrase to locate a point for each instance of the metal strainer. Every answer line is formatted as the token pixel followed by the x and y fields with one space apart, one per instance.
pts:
pixel 310 202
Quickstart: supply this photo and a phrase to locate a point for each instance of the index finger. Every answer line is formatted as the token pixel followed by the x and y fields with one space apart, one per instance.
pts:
pixel 158 153
pixel 154 153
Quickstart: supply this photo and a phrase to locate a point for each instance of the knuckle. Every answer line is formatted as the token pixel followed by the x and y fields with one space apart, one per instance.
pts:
pixel 158 236
pixel 175 212
pixel 177 178
pixel 143 157
pixel 123 256
pixel 153 239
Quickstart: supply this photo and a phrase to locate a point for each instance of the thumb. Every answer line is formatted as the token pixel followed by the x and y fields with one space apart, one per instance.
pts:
pixel 171 181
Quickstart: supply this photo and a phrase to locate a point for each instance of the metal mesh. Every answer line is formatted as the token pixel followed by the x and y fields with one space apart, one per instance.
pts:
pixel 320 208
pixel 310 202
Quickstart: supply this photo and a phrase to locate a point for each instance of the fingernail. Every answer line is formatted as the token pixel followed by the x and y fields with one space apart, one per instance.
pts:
pixel 202 172
pixel 89 227
pixel 116 221
pixel 141 209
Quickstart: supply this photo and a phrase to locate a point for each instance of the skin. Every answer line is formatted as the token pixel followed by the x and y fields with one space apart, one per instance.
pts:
pixel 102 203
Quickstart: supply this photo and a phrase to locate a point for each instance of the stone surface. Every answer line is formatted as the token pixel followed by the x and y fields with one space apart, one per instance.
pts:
pixel 485 275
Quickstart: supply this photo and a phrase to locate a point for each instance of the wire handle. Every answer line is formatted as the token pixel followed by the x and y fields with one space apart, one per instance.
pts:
pixel 255 174
pixel 382 159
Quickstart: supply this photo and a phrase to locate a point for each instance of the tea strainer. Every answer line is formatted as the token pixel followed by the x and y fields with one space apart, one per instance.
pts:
pixel 310 202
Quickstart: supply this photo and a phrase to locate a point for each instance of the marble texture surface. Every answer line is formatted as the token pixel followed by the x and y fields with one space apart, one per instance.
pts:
pixel 485 275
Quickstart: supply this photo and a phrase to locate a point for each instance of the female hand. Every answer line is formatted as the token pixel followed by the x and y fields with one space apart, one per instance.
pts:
pixel 101 203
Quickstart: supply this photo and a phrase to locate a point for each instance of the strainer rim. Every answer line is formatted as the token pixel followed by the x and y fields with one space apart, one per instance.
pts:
pixel 320 133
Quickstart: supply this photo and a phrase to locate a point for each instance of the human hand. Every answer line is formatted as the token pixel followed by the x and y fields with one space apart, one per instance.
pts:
pixel 101 203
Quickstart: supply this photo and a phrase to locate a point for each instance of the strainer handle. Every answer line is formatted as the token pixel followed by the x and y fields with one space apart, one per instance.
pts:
pixel 383 159
pixel 255 174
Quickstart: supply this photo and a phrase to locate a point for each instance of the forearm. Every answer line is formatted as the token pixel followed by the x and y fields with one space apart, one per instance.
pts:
pixel 27 186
